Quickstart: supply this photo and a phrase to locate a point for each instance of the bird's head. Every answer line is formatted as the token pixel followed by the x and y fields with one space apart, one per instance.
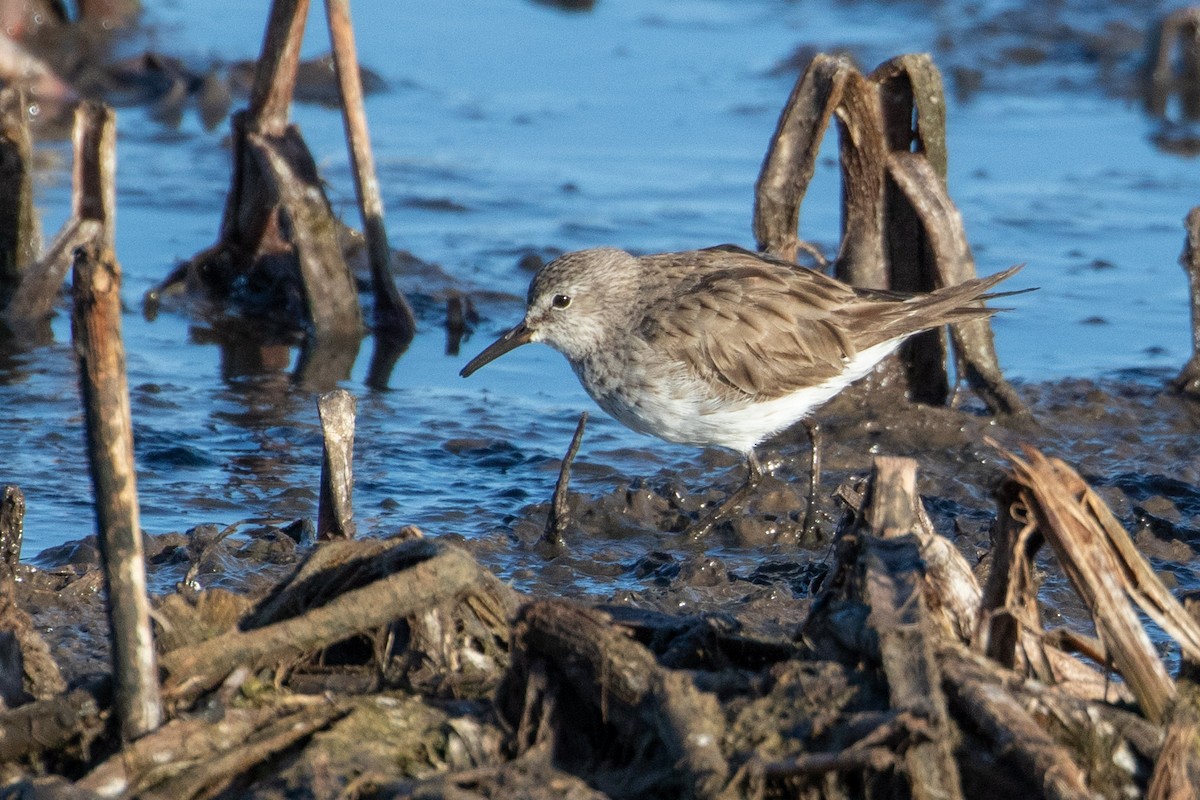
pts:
pixel 575 303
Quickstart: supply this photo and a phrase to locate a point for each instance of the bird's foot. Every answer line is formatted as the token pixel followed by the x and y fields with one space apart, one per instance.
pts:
pixel 732 505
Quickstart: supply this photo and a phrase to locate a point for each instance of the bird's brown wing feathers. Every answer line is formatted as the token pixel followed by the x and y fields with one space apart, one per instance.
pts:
pixel 764 329
pixel 758 329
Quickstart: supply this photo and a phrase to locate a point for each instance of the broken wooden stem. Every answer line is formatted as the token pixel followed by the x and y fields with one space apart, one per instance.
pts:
pixel 893 585
pixel 393 317
pixel 792 155
pixel 1188 380
pixel 560 510
pixel 194 670
pixel 96 330
pixel 335 514
pixel 93 210
pixel 12 530
pixel 94 178
pixel 18 219
pixel 275 76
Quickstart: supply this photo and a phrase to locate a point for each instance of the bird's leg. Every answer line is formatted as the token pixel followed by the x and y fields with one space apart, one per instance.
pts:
pixel 733 504
pixel 814 477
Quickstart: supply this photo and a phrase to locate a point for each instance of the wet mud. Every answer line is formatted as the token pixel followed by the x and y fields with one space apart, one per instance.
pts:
pixel 442 714
pixel 1132 440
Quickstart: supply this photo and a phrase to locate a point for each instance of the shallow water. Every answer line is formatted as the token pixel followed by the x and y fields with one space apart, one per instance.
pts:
pixel 512 126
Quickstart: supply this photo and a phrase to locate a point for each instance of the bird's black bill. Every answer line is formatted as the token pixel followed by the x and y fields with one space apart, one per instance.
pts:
pixel 516 337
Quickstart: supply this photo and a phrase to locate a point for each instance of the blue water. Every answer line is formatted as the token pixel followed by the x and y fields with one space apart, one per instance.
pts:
pixel 638 124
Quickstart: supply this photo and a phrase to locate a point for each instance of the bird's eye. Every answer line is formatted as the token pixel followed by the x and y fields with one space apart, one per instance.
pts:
pixel 560 301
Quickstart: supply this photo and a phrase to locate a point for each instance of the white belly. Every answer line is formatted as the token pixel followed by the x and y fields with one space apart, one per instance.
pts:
pixel 684 411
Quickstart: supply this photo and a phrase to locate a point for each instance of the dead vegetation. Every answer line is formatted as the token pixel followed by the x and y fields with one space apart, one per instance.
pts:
pixel 399 668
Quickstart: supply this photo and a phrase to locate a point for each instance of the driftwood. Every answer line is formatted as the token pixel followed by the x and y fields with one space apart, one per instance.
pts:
pixel 278 239
pixel 1108 573
pixel 1010 628
pixel 580 681
pixel 377 591
pixel 393 318
pixel 19 232
pixel 791 158
pixel 1177 31
pixel 196 757
pixel 1047 721
pixel 952 593
pixel 91 224
pixel 1011 731
pixel 894 588
pixel 900 229
pixel 335 511
pixel 1188 380
pixel 96 331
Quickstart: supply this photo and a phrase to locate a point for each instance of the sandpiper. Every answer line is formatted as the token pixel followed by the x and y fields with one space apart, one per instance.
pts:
pixel 719 346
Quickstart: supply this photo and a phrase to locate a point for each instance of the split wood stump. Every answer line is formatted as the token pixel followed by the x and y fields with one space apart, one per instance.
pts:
pixel 900 230
pixel 92 222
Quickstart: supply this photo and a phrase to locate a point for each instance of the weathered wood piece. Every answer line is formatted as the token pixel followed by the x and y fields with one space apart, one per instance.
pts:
pixel 946 259
pixel 1188 380
pixel 331 297
pixel 19 233
pixel 434 575
pixel 657 713
pixel 559 517
pixel 96 331
pixel 46 725
pixel 900 230
pixel 1013 733
pixel 393 317
pixel 862 256
pixel 92 220
pixel 1010 626
pixel 456 647
pixel 893 584
pixel 791 158
pixel 335 509
pixel 1107 572
pixel 951 592
pixel 197 757
pixel 278 64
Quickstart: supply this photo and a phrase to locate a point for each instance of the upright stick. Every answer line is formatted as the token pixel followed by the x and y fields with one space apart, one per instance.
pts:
pixel 393 317
pixel 96 330
pixel 1188 380
pixel 275 74
pixel 335 511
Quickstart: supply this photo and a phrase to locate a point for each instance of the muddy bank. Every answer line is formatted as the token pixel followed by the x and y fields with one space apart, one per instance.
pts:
pixel 1134 442
pixel 740 599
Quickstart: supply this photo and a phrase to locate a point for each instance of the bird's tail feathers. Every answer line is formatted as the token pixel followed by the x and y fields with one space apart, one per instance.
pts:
pixel 949 305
